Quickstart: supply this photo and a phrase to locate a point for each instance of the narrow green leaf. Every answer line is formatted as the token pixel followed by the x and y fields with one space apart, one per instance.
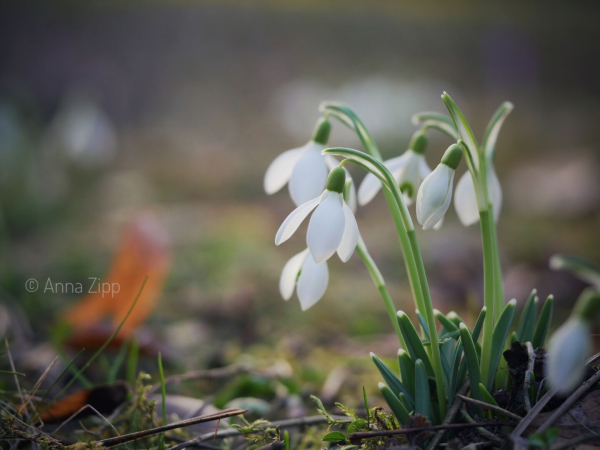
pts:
pixel 132 362
pixel 446 323
pixel 395 404
pixel 423 323
pixel 455 376
pixel 436 121
pixel 8 372
pixel 527 323
pixel 493 129
pixel 498 339
pixel 479 324
pixel 407 370
pixel 472 361
pixel 391 379
pixel 116 365
pixel 415 346
pixel 422 396
pixel 464 129
pixel 543 325
pixel 455 318
pixel 286 439
pixel 445 363
pixel 334 436
pixel 488 398
pixel 163 392
pixel 366 403
pixel 583 268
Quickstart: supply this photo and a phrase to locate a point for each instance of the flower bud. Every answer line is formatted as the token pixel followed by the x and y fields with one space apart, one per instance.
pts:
pixel 418 143
pixel 435 193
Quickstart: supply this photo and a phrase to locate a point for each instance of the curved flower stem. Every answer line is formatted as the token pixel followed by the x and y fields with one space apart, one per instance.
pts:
pixel 379 282
pixel 498 282
pixel 408 240
pixel 488 291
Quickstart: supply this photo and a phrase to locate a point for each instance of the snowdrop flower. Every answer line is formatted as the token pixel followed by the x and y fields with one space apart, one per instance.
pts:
pixel 465 199
pixel 570 345
pixel 409 170
pixel 332 227
pixel 309 278
pixel 435 192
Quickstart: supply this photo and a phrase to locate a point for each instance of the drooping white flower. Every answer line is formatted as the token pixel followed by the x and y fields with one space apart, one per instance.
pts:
pixel 332 227
pixel 465 199
pixel 309 279
pixel 570 345
pixel 567 352
pixel 409 170
pixel 435 193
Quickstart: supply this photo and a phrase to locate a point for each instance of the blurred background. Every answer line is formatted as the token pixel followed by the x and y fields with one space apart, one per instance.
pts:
pixel 134 139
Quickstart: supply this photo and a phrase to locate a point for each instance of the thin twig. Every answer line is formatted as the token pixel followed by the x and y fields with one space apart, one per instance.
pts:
pixel 449 416
pixel 288 423
pixel 119 440
pixel 450 426
pixel 489 406
pixel 12 367
pixel 569 402
pixel 104 419
pixel 528 373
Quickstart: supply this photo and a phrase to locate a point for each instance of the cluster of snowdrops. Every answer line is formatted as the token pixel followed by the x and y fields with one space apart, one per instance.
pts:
pixel 453 355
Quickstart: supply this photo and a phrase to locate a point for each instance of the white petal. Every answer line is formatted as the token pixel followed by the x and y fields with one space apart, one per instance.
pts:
pixel 289 274
pixel 309 175
pixel 371 184
pixel 312 283
pixel 424 169
pixel 326 227
pixel 409 175
pixel 438 225
pixel 495 193
pixel 567 353
pixel 350 236
pixel 293 221
pixel 280 170
pixel 351 199
pixel 434 196
pixel 465 201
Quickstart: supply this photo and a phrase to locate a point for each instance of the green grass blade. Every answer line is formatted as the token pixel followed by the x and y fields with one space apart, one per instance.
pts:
pixel 116 365
pixel 391 379
pixel 472 361
pixel 414 344
pixel 163 393
pixel 407 370
pixel 132 362
pixel 422 396
pixel 493 129
pixel 366 404
pixel 498 339
pixel 527 322
pixel 395 404
pixel 543 325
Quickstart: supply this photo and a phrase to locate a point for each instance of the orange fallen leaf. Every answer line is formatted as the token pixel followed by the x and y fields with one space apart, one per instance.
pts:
pixel 144 250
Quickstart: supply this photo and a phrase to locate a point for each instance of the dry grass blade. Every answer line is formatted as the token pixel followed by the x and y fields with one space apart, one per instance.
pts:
pixel 528 373
pixel 119 440
pixel 489 406
pixel 12 367
pixel 37 385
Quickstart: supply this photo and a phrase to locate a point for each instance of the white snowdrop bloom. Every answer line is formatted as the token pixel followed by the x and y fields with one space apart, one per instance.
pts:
pixel 567 352
pixel 309 279
pixel 435 192
pixel 332 227
pixel 570 345
pixel 465 200
pixel 304 169
pixel 409 170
